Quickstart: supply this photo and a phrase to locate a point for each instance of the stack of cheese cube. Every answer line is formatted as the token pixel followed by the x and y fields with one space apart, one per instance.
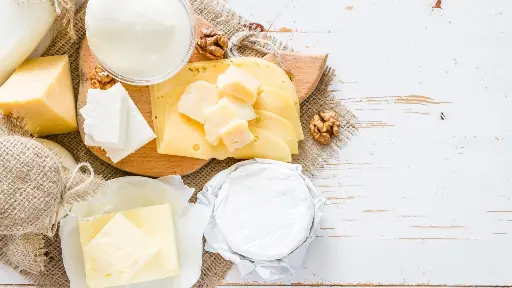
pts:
pixel 241 108
pixel 114 123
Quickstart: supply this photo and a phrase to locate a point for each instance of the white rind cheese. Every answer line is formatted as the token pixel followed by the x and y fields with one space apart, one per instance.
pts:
pixel 264 211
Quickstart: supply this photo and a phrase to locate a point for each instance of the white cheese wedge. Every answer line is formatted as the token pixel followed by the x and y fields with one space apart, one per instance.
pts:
pixel 236 135
pixel 264 211
pixel 130 247
pixel 117 253
pixel 105 118
pixel 218 117
pixel 138 131
pixel 239 83
pixel 197 97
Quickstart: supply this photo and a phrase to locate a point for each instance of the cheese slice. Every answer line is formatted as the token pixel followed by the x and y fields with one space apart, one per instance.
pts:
pixel 216 118
pixel 184 137
pixel 236 135
pixel 244 111
pixel 278 126
pixel 105 118
pixel 238 83
pixel 197 97
pixel 123 245
pixel 275 102
pixel 41 92
pixel 117 253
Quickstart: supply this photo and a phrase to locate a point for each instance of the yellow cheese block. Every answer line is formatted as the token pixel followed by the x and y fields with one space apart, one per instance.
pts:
pixel 238 83
pixel 275 102
pixel 278 126
pixel 147 232
pixel 236 135
pixel 41 92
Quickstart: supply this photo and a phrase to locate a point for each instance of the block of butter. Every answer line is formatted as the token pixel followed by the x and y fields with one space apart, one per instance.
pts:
pixel 41 92
pixel 130 247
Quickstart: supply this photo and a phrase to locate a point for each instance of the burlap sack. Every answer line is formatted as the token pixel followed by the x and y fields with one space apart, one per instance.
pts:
pixel 311 157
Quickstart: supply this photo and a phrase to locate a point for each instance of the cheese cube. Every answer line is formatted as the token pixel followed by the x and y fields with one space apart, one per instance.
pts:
pixel 117 253
pixel 218 117
pixel 244 111
pixel 138 131
pixel 41 92
pixel 197 97
pixel 236 135
pixel 122 246
pixel 105 118
pixel 239 83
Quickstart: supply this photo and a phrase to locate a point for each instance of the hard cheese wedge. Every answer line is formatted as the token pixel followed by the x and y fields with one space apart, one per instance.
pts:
pixel 278 126
pixel 151 245
pixel 41 92
pixel 275 102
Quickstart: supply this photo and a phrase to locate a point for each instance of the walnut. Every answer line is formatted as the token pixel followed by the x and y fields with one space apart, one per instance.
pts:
pixel 101 79
pixel 212 43
pixel 324 126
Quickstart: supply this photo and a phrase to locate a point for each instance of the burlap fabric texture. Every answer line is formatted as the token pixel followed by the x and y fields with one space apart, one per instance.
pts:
pixel 312 155
pixel 35 191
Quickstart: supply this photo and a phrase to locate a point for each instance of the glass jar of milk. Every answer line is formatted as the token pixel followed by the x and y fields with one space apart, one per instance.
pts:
pixel 140 42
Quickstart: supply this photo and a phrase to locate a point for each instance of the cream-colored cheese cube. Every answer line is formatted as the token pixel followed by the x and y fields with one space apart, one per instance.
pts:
pixel 197 97
pixel 217 117
pixel 244 111
pixel 236 135
pixel 41 92
pixel 101 241
pixel 117 253
pixel 239 83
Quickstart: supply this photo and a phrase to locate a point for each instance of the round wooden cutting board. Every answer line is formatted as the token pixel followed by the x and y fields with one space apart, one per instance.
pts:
pixel 147 161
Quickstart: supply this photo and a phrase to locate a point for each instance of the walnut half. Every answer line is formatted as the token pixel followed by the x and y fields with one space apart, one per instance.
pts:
pixel 324 126
pixel 212 44
pixel 101 79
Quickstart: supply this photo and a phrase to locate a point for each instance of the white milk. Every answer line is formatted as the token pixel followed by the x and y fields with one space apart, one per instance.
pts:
pixel 139 40
pixel 22 26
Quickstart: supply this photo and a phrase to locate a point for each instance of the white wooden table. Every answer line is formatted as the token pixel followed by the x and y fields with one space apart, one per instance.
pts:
pixel 417 200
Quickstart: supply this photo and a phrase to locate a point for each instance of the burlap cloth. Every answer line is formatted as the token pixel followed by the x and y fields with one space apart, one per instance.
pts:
pixel 312 155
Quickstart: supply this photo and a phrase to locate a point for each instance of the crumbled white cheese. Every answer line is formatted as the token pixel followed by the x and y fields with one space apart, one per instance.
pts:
pixel 264 211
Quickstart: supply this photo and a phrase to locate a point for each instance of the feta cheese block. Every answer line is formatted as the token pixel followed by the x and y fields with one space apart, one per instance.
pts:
pixel 236 135
pixel 216 118
pixel 105 118
pixel 239 83
pixel 264 211
pixel 138 131
pixel 278 126
pixel 197 97
pixel 130 247
pixel 41 92
pixel 275 102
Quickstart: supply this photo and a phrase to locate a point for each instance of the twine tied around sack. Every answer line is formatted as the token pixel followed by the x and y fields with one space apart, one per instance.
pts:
pixel 254 41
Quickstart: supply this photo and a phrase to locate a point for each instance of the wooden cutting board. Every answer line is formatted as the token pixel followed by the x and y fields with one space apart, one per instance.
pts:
pixel 304 70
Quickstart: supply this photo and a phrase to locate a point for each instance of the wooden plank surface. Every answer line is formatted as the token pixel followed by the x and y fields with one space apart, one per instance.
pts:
pixel 416 200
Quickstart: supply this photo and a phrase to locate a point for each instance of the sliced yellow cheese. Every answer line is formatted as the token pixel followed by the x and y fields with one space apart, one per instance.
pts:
pixel 236 135
pixel 275 102
pixel 238 83
pixel 130 247
pixel 197 97
pixel 265 145
pixel 278 126
pixel 184 137
pixel 41 92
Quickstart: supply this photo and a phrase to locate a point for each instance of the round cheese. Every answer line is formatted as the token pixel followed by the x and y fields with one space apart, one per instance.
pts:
pixel 264 211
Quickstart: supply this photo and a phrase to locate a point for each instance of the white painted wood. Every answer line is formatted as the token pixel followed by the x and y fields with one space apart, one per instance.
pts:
pixel 417 199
